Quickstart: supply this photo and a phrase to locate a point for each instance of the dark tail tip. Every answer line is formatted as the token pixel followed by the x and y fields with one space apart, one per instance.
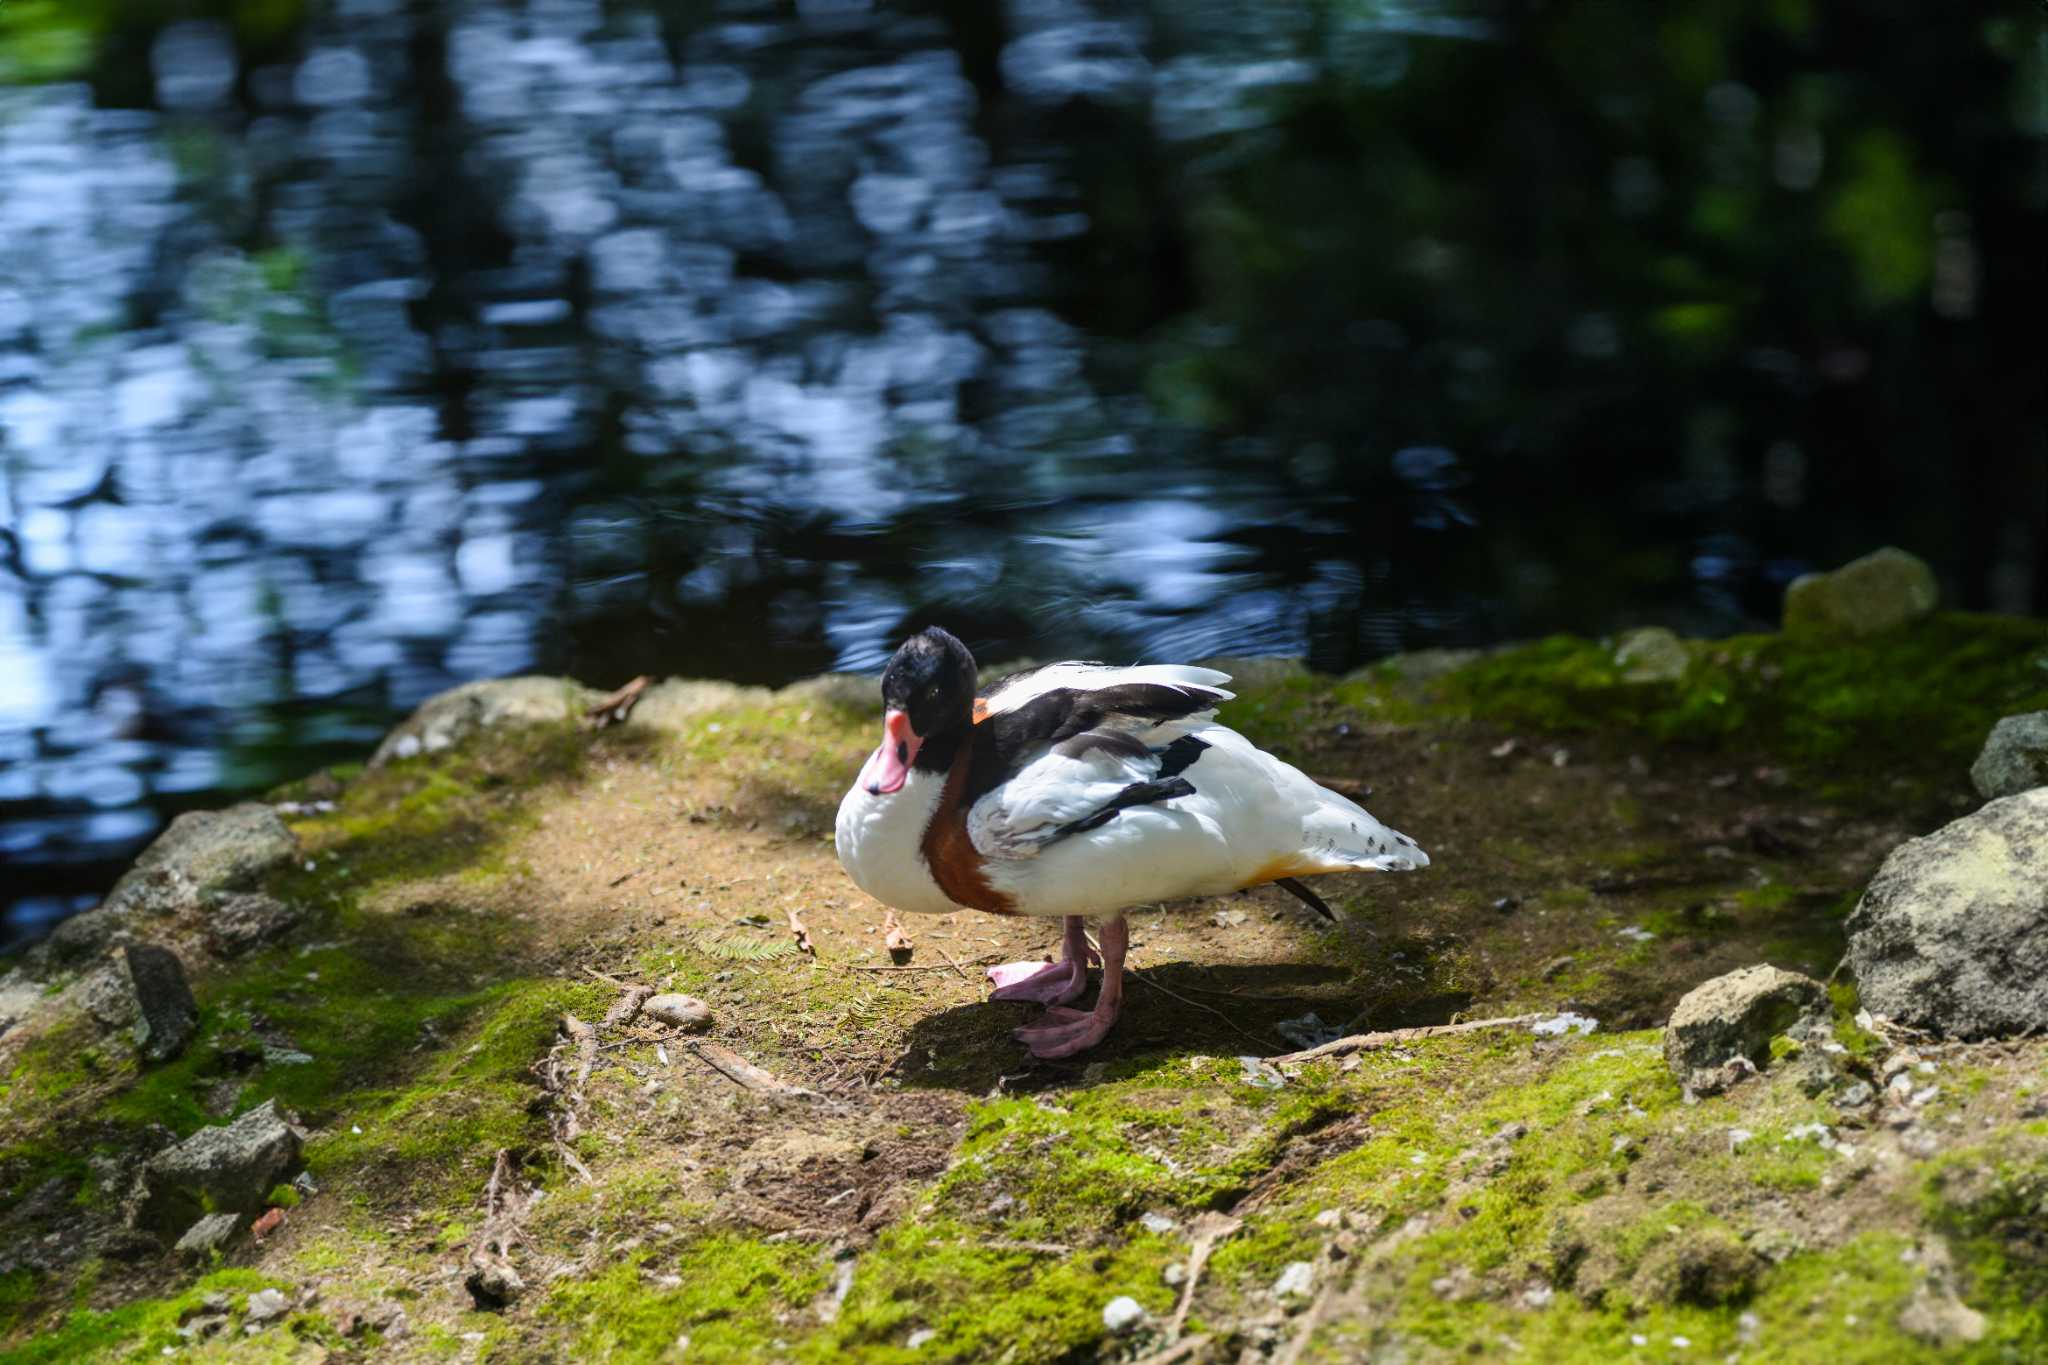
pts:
pixel 1307 897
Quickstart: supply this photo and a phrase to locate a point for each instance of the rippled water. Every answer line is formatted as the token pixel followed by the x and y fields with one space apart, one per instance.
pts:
pixel 431 342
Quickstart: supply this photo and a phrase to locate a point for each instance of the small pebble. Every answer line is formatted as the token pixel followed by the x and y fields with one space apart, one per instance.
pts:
pixel 679 1011
pixel 1297 1279
pixel 1175 1275
pixel 1157 1222
pixel 1122 1313
pixel 920 1337
pixel 266 1304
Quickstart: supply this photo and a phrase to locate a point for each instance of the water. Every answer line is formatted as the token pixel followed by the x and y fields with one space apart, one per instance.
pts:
pixel 392 345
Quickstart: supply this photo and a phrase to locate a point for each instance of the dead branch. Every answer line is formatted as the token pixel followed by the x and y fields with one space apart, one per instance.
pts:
pixel 1208 1230
pixel 1331 1268
pixel 947 966
pixel 566 1088
pixel 612 709
pixel 492 1280
pixel 894 938
pixel 1196 1004
pixel 627 1007
pixel 803 935
pixel 1368 1042
pixel 1179 1351
pixel 954 965
pixel 585 1038
pixel 744 1073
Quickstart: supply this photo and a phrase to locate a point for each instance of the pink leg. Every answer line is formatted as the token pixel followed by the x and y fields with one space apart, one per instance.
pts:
pixel 1066 1032
pixel 1047 983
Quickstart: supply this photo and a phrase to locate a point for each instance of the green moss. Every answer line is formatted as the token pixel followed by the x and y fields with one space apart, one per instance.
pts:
pixel 1099 1157
pixel 734 1296
pixel 1991 1201
pixel 1915 701
pixel 143 1329
pixel 986 1302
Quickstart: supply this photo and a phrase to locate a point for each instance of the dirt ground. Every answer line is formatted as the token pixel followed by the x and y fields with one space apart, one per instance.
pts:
pixel 934 1193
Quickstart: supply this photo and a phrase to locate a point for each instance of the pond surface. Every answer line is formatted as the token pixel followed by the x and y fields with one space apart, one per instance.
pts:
pixel 352 350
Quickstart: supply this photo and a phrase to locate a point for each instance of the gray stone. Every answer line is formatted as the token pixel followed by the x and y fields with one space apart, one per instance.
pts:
pixel 684 703
pixel 230 1168
pixel 1878 592
pixel 2015 757
pixel 1732 1019
pixel 1650 655
pixel 106 995
pixel 1952 933
pixel 210 1234
pixel 166 1015
pixel 450 717
pixel 266 1305
pixel 202 856
pixel 679 1011
pixel 1420 665
pixel 858 692
pixel 246 921
pixel 1122 1314
pixel 1935 1314
pixel 79 939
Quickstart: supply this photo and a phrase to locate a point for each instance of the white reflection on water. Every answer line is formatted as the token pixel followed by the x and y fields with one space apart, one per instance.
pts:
pixel 264 444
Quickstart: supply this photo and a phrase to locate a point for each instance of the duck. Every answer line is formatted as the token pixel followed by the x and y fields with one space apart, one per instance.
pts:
pixel 1074 791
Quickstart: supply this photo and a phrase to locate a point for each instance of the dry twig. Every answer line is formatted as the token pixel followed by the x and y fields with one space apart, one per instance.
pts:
pixel 947 966
pixel 1176 1353
pixel 744 1073
pixel 1367 1042
pixel 1196 1004
pixel 627 1008
pixel 1208 1230
pixel 893 937
pixel 492 1280
pixel 616 707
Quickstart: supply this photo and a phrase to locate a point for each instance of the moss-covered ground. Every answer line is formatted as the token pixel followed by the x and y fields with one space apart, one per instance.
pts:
pixel 1600 846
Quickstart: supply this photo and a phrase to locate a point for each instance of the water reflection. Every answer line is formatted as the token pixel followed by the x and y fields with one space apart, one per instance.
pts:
pixel 431 342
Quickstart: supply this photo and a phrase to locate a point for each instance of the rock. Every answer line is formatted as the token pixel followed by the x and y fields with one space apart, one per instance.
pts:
pixel 1651 654
pixel 492 1281
pixel 201 856
pixel 683 703
pixel 80 938
pixel 1122 1314
pixel 860 692
pixel 1734 1018
pixel 1296 1281
pixel 1878 592
pixel 1707 1266
pixel 1421 665
pixel 246 921
pixel 266 1305
pixel 1952 933
pixel 1935 1314
pixel 166 1015
pixel 450 717
pixel 679 1011
pixel 209 1234
pixel 2015 757
pixel 106 995
pixel 228 1168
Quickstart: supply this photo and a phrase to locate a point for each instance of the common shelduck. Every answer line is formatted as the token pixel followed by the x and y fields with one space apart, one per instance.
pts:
pixel 1072 791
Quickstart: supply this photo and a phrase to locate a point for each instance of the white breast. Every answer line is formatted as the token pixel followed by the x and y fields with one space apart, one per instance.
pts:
pixel 881 842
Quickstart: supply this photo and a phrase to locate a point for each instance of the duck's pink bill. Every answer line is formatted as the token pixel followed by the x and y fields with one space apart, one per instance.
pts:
pixel 889 766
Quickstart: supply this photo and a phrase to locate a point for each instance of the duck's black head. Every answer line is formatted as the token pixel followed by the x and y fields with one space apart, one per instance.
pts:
pixel 927 704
